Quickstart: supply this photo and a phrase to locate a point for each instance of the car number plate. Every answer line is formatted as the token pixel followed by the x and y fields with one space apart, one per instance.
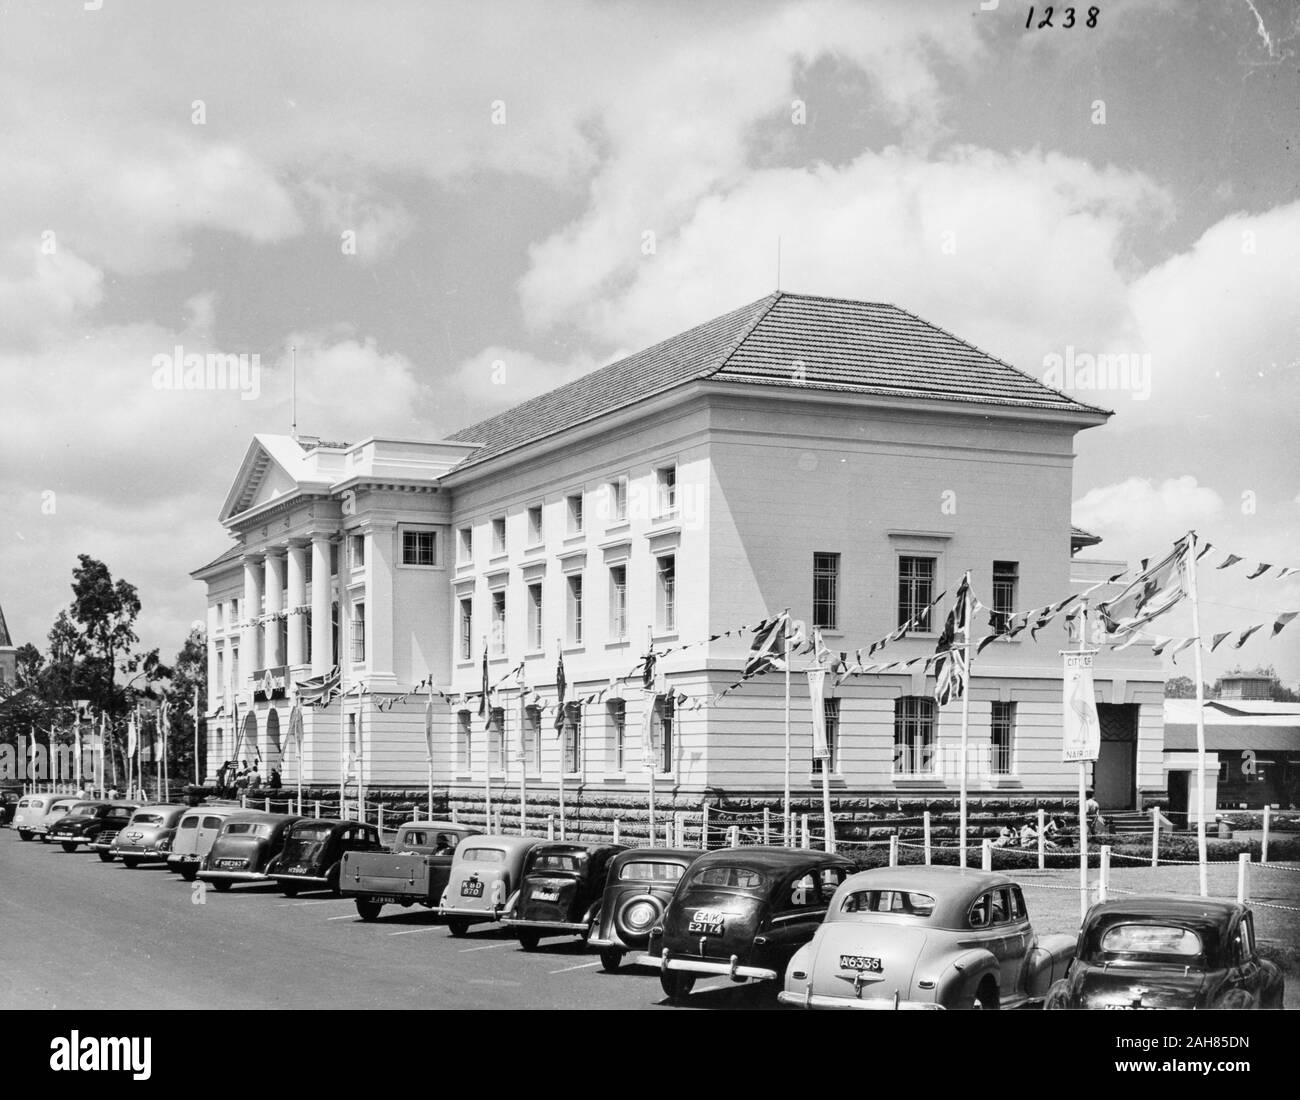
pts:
pixel 546 895
pixel 382 899
pixel 230 864
pixel 706 922
pixel 471 888
pixel 1133 1008
pixel 298 869
pixel 861 963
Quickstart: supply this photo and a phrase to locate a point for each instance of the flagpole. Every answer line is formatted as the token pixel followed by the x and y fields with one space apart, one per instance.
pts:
pixel 198 776
pixel 429 744
pixel 1083 786
pixel 965 719
pixel 487 746
pixel 1190 560
pixel 523 766
pixel 786 794
pixel 559 648
pixel 650 746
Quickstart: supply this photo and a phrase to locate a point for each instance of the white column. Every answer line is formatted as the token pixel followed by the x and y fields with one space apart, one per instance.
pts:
pixel 322 639
pixel 381 539
pixel 248 648
pixel 297 597
pixel 274 602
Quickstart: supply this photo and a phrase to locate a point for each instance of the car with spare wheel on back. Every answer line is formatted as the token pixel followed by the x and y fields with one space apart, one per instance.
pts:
pixel 638 888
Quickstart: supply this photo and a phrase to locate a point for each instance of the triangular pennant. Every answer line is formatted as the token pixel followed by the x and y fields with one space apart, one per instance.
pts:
pixel 1231 559
pixel 1263 568
pixel 1281 621
pixel 1241 641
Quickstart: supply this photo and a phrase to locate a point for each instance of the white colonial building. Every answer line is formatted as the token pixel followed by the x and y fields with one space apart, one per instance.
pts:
pixel 844 459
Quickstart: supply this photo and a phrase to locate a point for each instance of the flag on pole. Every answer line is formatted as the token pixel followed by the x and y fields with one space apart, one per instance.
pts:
pixel 295 729
pixel 950 671
pixel 1155 590
pixel 31 754
pixel 131 740
pixel 560 686
pixel 649 735
pixel 428 724
pixel 483 698
pixel 1082 730
pixel 816 685
pixel 767 650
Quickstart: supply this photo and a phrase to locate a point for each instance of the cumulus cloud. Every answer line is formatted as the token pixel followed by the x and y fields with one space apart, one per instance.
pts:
pixel 498 377
pixel 1140 505
pixel 43 288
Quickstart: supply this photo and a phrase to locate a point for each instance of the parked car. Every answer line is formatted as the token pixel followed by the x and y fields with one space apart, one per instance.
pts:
pixel 8 806
pixel 112 826
pixel 247 843
pixel 313 853
pixel 742 912
pixel 561 891
pixel 1154 953
pixel 147 837
pixel 195 834
pixel 638 888
pixel 35 813
pixel 926 937
pixel 485 872
pixel 414 870
pixel 86 822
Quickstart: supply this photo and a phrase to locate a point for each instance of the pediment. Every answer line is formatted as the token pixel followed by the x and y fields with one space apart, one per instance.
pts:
pixel 272 468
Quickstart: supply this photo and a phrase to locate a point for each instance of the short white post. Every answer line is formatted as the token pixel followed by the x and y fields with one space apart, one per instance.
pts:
pixel 617 823
pixel 243 801
pixel 381 817
pixel 1103 874
pixel 316 808
pixel 704 827
pixel 550 826
pixel 807 836
pixel 1243 862
pixel 1263 844
pixel 733 837
pixel 1155 836
pixel 925 821
pixel 893 849
pixel 679 831
pixel 455 820
pixel 986 854
pixel 300 803
pixel 767 824
pixel 1042 838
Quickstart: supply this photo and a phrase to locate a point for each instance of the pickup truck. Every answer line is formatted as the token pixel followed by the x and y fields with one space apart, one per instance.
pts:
pixel 413 871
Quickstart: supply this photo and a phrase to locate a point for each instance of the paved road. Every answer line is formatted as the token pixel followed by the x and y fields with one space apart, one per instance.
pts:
pixel 79 933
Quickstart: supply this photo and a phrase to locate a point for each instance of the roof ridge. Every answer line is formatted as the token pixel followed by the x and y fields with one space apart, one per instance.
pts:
pixel 771 301
pixel 1004 363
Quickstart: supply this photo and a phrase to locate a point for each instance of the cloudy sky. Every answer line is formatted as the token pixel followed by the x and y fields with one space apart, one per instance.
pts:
pixel 411 193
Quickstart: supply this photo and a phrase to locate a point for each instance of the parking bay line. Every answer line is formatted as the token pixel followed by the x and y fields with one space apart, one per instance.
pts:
pixel 580 966
pixel 409 931
pixel 345 916
pixel 490 946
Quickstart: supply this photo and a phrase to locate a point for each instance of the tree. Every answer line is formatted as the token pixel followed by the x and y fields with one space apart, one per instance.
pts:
pixel 105 611
pixel 1180 687
pixel 188 675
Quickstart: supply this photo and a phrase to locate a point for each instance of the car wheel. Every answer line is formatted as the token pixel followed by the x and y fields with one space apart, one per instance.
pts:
pixel 289 889
pixel 222 885
pixel 130 863
pixel 676 985
pixel 106 857
pixel 69 846
pixel 986 997
pixel 458 926
pixel 1058 997
pixel 368 910
pixel 529 940
pixel 44 838
pixel 189 874
pixel 1234 1000
pixel 610 958
pixel 24 834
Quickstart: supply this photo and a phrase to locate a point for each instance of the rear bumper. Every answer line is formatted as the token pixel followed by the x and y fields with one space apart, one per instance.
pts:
pixel 152 852
pixel 175 861
pixel 870 1004
pixel 612 941
pixel 476 915
pixel 556 926
pixel 234 876
pixel 300 880
pixel 731 969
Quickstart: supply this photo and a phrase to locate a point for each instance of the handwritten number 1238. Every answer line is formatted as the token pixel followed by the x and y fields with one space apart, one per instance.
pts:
pixel 1067 23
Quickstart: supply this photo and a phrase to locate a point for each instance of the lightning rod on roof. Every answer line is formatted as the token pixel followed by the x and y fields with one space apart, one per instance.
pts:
pixel 778 263
pixel 293 392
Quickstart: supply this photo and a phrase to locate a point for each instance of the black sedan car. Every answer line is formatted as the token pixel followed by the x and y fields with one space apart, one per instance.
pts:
pixel 639 886
pixel 86 822
pixel 313 853
pixel 1163 953
pixel 245 847
pixel 561 891
pixel 742 913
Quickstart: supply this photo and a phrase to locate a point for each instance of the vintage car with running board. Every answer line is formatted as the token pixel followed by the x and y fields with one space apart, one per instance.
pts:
pixel 561 891
pixel 1139 953
pixel 638 889
pixel 35 813
pixel 147 837
pixel 88 821
pixel 926 937
pixel 314 850
pixel 741 913
pixel 485 872
pixel 413 870
pixel 247 843
pixel 198 830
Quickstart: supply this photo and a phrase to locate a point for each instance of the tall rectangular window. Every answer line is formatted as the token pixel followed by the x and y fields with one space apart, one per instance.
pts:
pixel 463 742
pixel 616 495
pixel 1006 575
pixel 467 629
pixel 358 547
pixel 234 613
pixel 535 525
pixel 915 588
pixel 913 735
pixel 574 611
pixel 234 667
pixel 498 622
pixel 616 712
pixel 419 548
pixel 573 509
pixel 499 535
pixel 221 671
pixel 666 593
pixel 465 545
pixel 666 490
pixel 535 617
pixel 666 731
pixel 533 738
pixel 617 603
pixel 358 633
pixel 832 709
pixel 1002 738
pixel 826 591
pixel 572 739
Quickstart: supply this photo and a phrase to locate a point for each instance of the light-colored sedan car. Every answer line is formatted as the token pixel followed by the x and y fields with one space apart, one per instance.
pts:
pixel 195 834
pixel 485 873
pixel 37 812
pixel 147 837
pixel 926 937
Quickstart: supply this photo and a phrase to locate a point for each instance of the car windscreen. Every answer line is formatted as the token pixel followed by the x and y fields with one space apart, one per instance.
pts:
pixel 560 861
pixel 246 828
pixel 730 877
pixel 147 819
pixel 315 831
pixel 1159 942
pixel 905 902
pixel 645 870
pixel 483 855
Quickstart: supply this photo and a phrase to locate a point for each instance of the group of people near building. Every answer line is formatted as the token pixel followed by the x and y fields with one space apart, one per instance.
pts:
pixel 233 780
pixel 1053 830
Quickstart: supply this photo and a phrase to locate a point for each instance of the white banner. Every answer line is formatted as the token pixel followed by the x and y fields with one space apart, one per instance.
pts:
pixel 816 685
pixel 649 738
pixel 1082 731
